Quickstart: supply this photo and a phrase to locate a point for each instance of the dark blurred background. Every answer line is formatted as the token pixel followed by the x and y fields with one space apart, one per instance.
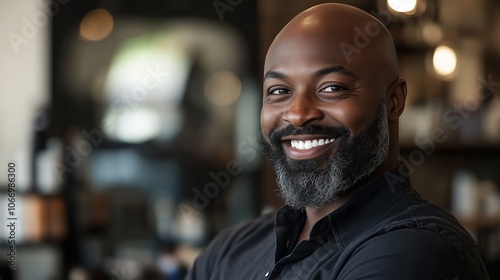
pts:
pixel 134 126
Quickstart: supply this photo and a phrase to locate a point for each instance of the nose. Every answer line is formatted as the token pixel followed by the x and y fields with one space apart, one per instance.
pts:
pixel 302 110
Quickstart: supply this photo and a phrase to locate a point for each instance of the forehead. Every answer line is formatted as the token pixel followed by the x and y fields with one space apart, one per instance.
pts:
pixel 307 60
pixel 302 50
pixel 312 49
pixel 325 38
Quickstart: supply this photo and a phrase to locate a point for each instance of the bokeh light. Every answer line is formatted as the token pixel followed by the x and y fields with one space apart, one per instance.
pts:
pixel 444 61
pixel 96 25
pixel 222 88
pixel 403 6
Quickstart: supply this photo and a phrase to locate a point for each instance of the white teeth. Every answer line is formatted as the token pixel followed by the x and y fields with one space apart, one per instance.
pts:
pixel 301 145
pixel 308 144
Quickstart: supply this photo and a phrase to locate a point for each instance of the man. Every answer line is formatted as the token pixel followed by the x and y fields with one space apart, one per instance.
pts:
pixel 329 122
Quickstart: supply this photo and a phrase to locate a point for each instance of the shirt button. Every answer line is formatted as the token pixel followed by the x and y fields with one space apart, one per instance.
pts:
pixel 267 274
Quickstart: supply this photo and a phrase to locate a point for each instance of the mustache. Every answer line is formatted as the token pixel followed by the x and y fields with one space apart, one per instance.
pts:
pixel 331 131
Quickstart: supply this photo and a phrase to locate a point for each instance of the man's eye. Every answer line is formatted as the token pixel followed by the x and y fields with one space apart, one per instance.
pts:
pixel 279 91
pixel 334 88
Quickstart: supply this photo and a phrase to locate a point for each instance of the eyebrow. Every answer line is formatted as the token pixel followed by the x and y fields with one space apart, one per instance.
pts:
pixel 322 72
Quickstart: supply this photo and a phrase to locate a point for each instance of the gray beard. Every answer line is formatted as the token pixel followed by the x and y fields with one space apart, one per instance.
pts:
pixel 315 183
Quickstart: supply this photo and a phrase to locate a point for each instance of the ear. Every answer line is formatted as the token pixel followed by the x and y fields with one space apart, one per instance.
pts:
pixel 396 100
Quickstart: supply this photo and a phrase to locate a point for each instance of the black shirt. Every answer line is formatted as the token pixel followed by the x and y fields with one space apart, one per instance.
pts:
pixel 386 231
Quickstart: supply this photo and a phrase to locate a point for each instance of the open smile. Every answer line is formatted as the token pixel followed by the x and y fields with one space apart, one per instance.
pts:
pixel 309 144
pixel 301 147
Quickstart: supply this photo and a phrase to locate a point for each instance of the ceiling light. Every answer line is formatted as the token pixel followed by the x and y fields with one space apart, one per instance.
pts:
pixel 403 6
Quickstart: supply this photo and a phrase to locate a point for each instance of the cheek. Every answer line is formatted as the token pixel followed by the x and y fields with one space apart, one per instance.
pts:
pixel 355 116
pixel 269 120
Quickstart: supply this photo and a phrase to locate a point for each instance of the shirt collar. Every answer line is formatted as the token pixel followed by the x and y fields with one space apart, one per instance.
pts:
pixel 347 222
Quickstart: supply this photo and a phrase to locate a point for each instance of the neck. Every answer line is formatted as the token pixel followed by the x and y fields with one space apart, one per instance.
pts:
pixel 314 214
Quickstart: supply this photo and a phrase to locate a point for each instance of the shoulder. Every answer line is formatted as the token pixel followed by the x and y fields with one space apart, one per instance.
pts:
pixel 416 253
pixel 415 244
pixel 431 222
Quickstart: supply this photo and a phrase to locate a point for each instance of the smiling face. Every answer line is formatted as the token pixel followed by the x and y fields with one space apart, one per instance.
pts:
pixel 325 117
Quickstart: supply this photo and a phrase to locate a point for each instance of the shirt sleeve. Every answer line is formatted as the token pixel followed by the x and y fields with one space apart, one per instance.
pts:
pixel 217 261
pixel 412 254
pixel 206 261
pixel 209 260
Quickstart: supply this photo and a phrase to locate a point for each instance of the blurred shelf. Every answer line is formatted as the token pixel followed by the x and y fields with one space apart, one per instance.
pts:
pixel 479 222
pixel 488 148
pixel 32 244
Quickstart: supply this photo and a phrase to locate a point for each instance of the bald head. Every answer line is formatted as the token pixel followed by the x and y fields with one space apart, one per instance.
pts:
pixel 354 38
